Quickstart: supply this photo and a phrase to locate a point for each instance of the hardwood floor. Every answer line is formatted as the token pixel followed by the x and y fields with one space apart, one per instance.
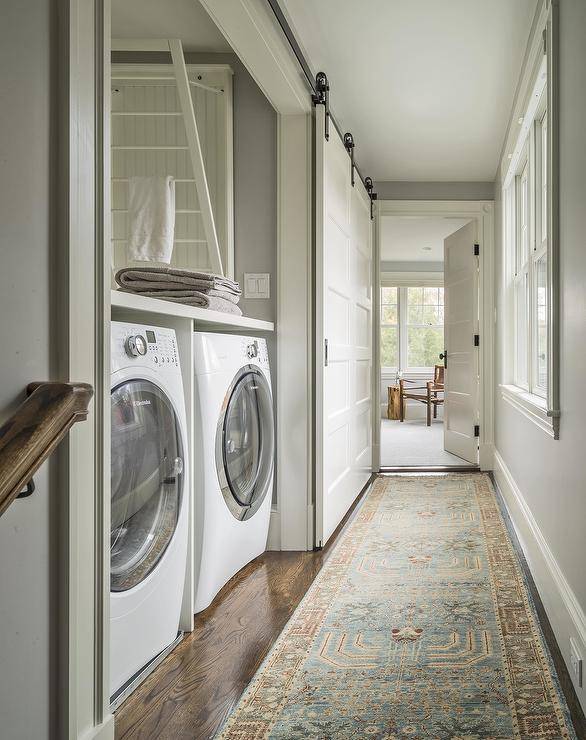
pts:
pixel 194 689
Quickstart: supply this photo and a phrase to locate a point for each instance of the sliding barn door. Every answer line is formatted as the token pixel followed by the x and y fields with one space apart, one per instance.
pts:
pixel 343 334
pixel 460 325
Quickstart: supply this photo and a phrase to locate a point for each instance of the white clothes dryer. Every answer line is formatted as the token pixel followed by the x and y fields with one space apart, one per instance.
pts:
pixel 149 499
pixel 235 443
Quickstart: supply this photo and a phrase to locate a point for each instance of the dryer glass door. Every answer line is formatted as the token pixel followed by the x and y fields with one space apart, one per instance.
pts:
pixel 147 480
pixel 246 436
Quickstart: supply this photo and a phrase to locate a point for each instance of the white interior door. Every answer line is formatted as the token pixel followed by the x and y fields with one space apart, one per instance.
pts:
pixel 343 334
pixel 460 324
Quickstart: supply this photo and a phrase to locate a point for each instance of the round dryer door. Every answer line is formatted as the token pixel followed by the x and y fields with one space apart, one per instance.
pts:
pixel 245 443
pixel 147 480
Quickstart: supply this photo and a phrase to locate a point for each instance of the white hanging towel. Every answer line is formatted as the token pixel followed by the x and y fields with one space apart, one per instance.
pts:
pixel 151 219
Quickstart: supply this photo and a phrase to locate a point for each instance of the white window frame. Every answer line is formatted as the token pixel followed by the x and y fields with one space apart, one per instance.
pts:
pixel 538 119
pixel 390 370
pixel 403 281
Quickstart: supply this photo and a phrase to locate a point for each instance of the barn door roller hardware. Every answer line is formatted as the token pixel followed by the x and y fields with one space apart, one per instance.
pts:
pixel 369 185
pixel 321 96
pixel 319 85
pixel 349 145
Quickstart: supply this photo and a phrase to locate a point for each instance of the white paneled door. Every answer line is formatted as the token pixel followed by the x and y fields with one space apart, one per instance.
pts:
pixel 460 325
pixel 343 334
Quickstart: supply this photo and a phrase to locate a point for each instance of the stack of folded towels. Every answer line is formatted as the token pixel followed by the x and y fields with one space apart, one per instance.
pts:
pixel 191 288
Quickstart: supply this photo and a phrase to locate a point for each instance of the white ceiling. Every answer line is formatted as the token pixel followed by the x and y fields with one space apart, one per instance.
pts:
pixel 416 239
pixel 426 87
pixel 162 19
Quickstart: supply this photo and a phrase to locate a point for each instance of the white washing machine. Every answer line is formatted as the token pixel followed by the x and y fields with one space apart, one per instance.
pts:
pixel 149 499
pixel 235 443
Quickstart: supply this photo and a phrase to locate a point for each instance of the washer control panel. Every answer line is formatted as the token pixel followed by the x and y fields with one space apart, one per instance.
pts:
pixel 154 346
pixel 255 350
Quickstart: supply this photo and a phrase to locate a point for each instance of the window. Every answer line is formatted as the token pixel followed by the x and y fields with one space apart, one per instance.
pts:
pixel 530 194
pixel 425 326
pixel 527 233
pixel 389 327
pixel 412 331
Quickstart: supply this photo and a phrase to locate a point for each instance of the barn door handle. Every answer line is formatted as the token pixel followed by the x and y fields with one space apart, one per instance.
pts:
pixel 444 356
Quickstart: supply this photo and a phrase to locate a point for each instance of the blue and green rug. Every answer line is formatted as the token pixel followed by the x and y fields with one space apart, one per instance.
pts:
pixel 420 625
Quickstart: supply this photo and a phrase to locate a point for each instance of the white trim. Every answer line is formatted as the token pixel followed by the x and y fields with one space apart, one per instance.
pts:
pixel 531 64
pixel 378 402
pixel 412 279
pixel 252 31
pixel 139 45
pixel 84 329
pixel 274 538
pixel 561 604
pixel 531 406
pixel 482 212
pixel 294 318
pixel 529 116
pixel 104 731
pixel 203 317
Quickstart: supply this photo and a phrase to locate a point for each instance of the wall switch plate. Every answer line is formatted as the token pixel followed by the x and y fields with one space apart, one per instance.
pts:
pixel 576 663
pixel 257 285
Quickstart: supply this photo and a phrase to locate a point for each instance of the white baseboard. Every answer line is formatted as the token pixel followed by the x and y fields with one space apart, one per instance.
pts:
pixel 104 731
pixel 274 540
pixel 564 612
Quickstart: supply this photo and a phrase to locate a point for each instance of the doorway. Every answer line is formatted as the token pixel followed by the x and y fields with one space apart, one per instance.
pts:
pixel 432 286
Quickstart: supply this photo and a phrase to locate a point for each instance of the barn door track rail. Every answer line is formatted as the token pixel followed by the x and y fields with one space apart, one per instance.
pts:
pixel 319 87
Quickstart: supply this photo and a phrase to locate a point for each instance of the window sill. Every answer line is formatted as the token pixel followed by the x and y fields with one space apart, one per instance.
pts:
pixel 532 406
pixel 420 372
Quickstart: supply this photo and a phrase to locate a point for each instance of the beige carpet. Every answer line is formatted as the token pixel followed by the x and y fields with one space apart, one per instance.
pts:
pixel 412 443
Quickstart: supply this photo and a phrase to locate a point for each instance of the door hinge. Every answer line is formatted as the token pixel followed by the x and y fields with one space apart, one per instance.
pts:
pixel 544 41
pixel 325 352
pixel 322 97
pixel 477 430
pixel 477 340
pixel 476 250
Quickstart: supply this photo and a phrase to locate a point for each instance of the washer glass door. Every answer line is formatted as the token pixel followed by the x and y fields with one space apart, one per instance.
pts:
pixel 245 443
pixel 147 480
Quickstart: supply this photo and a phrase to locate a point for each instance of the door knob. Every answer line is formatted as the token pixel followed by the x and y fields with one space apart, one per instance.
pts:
pixel 444 356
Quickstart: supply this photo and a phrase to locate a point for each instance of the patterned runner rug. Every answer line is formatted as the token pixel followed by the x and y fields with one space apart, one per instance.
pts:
pixel 420 625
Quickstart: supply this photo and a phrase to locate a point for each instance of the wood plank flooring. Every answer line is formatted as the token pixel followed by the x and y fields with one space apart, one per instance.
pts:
pixel 191 693
pixel 195 688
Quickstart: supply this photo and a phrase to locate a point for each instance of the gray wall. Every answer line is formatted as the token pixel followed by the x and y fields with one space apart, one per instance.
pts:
pixel 552 474
pixel 28 530
pixel 398 190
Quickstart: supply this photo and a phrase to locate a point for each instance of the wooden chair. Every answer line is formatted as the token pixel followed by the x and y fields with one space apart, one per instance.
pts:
pixel 427 394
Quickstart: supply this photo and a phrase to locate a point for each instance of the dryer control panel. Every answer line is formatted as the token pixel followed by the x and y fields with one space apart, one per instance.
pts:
pixel 148 345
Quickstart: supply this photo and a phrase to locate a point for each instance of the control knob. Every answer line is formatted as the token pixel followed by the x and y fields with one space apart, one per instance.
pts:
pixel 136 346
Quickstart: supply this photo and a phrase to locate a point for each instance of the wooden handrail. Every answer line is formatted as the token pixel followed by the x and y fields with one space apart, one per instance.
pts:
pixel 34 431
